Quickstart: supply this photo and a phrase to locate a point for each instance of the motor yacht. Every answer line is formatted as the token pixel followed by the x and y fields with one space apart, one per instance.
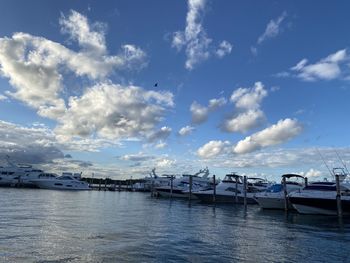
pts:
pixel 231 190
pixel 180 187
pixel 152 181
pixel 320 198
pixel 274 198
pixel 63 182
pixel 18 174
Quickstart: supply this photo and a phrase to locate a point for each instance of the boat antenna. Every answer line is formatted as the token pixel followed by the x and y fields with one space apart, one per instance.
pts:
pixel 341 160
pixel 329 170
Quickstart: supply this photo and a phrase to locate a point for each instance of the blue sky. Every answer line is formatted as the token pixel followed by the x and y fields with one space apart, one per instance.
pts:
pixel 119 87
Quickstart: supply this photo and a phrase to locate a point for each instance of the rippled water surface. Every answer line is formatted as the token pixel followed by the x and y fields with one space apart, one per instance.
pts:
pixel 62 226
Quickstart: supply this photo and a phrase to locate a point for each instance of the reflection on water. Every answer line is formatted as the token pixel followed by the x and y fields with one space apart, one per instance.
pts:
pixel 61 226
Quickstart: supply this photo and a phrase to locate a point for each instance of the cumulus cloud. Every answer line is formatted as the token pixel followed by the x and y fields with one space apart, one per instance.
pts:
pixel 28 144
pixel 273 28
pixel 160 135
pixel 244 122
pixel 187 130
pixel 249 98
pixel 325 69
pixel 212 149
pixel 195 39
pixel 3 97
pixel 248 114
pixel 116 112
pixel 278 133
pixel 35 65
pixel 200 113
pixel 224 49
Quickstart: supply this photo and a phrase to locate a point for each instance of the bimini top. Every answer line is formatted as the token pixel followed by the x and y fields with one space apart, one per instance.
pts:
pixel 292 175
pixel 232 178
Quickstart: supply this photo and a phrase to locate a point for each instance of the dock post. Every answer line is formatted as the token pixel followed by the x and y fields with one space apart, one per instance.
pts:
pixel 245 191
pixel 214 190
pixel 236 192
pixel 99 185
pixel 339 208
pixel 285 194
pixel 190 197
pixel 105 184
pixel 119 186
pixel 171 186
pixel 306 181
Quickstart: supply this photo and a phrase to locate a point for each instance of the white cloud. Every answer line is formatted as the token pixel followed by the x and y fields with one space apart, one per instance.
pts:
pixel 161 145
pixel 326 69
pixel 247 102
pixel 28 144
pixel 212 149
pixel 137 157
pixel 35 65
pixel 116 112
pixel 163 163
pixel 224 49
pixel 3 97
pixel 273 28
pixel 312 173
pixel 249 98
pixel 244 122
pixel 187 130
pixel 78 27
pixel 160 135
pixel 216 103
pixel 278 133
pixel 200 113
pixel 195 39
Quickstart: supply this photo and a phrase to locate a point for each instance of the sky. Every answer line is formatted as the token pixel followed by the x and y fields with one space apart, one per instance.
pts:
pixel 116 88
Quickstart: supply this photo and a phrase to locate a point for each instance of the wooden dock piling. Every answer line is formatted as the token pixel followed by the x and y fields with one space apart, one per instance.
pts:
pixel 214 190
pixel 171 186
pixel 285 193
pixel 191 181
pixel 338 197
pixel 236 192
pixel 245 191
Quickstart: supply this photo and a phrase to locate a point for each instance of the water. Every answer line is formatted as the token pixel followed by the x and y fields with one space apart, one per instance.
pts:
pixel 62 226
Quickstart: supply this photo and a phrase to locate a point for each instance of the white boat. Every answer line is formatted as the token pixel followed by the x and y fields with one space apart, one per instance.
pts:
pixel 18 174
pixel 153 181
pixel 231 190
pixel 273 197
pixel 181 186
pixel 63 182
pixel 320 198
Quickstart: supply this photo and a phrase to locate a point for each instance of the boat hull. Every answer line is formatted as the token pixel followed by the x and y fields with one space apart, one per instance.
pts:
pixel 61 185
pixel 208 198
pixel 175 193
pixel 319 205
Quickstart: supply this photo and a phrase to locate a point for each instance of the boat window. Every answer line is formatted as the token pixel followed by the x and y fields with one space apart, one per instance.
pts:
pixel 11 173
pixel 58 184
pixel 68 185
